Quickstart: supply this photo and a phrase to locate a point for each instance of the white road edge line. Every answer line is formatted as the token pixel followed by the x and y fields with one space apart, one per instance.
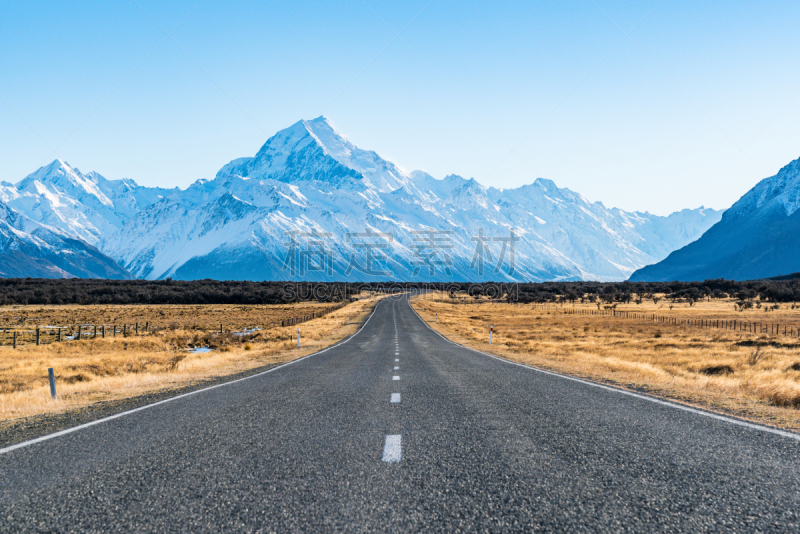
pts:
pixel 393 449
pixel 184 395
pixel 674 405
pixel 395 397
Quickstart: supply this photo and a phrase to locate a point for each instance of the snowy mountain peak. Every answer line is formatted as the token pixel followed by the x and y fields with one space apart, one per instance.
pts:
pixel 60 176
pixel 85 206
pixel 546 184
pixel 381 174
pixel 469 195
pixel 314 150
pixel 780 192
pixel 294 154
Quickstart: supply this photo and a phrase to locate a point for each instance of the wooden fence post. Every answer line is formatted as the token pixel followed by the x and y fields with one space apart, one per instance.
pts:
pixel 51 375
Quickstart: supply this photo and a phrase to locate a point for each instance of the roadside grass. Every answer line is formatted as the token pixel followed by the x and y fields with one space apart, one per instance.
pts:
pixel 172 316
pixel 96 370
pixel 755 376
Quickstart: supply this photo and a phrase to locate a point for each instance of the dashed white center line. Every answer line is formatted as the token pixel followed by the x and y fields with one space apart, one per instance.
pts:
pixel 396 368
pixel 392 449
pixel 395 397
pixel 397 359
pixel 395 377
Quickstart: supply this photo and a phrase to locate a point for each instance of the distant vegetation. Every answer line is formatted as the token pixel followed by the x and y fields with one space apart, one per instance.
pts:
pixel 611 292
pixel 92 291
pixel 765 290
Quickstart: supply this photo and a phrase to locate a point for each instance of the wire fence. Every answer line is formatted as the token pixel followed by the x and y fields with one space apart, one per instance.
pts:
pixel 753 327
pixel 16 336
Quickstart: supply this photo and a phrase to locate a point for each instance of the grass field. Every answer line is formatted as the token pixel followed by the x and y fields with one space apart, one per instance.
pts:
pixel 96 370
pixel 187 317
pixel 752 375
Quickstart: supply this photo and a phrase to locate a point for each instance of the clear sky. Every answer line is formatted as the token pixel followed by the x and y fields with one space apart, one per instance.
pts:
pixel 643 105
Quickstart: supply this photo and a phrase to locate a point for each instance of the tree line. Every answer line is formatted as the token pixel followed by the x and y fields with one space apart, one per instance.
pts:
pixel 98 291
pixel 765 290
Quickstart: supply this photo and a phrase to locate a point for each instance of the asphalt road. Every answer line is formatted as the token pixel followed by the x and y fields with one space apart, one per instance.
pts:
pixel 474 444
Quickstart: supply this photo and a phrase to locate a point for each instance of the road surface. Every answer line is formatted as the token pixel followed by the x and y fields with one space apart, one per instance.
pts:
pixel 399 430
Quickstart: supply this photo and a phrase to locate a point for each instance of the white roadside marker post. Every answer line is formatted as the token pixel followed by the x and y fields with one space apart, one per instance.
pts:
pixel 348 318
pixel 298 337
pixel 436 319
pixel 491 329
pixel 52 377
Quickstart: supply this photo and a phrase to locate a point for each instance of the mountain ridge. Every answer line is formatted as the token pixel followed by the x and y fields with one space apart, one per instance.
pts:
pixel 753 239
pixel 308 179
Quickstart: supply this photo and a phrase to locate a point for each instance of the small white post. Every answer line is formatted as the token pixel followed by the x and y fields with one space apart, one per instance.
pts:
pixel 298 337
pixel 491 329
pixel 348 318
pixel 436 319
pixel 52 377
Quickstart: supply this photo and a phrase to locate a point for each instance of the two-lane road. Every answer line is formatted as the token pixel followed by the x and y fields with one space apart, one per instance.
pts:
pixel 398 429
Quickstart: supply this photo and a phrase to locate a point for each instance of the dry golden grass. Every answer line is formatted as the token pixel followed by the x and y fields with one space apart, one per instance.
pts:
pixel 203 317
pixel 94 370
pixel 716 309
pixel 756 376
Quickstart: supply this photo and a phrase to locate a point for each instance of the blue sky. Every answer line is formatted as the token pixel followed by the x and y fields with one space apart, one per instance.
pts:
pixel 646 105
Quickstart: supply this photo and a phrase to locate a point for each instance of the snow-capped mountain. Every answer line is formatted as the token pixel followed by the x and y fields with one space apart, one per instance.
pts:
pixel 310 197
pixel 755 237
pixel 309 179
pixel 87 206
pixel 31 249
